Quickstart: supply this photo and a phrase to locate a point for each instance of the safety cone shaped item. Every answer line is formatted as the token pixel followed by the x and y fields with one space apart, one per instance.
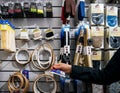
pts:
pixel 87 48
pixel 78 58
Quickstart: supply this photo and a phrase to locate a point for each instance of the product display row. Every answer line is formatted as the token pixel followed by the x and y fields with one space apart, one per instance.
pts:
pixel 26 10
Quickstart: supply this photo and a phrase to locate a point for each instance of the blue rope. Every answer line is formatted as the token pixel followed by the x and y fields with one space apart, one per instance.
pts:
pixel 81 10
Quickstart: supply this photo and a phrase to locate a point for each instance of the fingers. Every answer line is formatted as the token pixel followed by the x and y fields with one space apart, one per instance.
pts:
pixel 62 66
pixel 56 66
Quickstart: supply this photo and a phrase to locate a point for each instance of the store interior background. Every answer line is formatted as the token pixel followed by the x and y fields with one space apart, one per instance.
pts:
pixel 8 63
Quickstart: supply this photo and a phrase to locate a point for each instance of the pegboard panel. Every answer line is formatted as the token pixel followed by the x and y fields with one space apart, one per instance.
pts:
pixel 8 65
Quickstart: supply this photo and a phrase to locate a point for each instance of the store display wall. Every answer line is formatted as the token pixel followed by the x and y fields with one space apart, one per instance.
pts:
pixel 8 64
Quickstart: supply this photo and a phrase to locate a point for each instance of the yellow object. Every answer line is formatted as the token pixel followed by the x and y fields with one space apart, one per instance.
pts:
pixel 87 48
pixel 40 11
pixel 7 38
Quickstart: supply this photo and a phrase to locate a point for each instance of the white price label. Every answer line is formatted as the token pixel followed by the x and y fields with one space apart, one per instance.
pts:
pixel 79 49
pixel 67 49
pixel 87 50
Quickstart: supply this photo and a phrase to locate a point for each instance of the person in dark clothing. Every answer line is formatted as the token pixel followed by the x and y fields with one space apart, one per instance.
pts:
pixel 109 74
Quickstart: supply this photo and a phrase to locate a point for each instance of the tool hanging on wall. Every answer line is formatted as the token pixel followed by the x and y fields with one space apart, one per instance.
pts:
pixel 97 35
pixel 81 10
pixel 87 47
pixel 49 86
pixel 37 34
pixel 87 53
pixel 97 14
pixel 111 16
pixel 40 10
pixel 79 86
pixel 26 9
pixel 7 36
pixel 83 57
pixel 38 56
pixel 65 54
pixel 49 10
pixel 24 34
pixel 62 44
pixel 22 56
pixel 69 8
pixel 18 83
pixel 4 10
pixel 79 34
pixel 33 9
pixel 63 13
pixel 18 10
pixel 78 57
pixel 11 9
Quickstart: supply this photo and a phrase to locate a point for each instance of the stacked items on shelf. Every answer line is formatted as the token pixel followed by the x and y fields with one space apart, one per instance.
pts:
pixel 7 36
pixel 112 36
pixel 97 25
pixel 37 9
pixel 96 19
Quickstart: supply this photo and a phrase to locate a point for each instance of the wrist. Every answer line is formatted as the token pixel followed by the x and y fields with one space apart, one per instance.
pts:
pixel 69 69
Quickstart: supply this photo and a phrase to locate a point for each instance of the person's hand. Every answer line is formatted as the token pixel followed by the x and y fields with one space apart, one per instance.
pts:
pixel 63 67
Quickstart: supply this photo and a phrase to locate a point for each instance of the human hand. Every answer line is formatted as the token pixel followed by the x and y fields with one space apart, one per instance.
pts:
pixel 63 67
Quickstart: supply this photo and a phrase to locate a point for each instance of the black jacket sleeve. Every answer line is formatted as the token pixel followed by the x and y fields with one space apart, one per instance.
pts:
pixel 105 76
